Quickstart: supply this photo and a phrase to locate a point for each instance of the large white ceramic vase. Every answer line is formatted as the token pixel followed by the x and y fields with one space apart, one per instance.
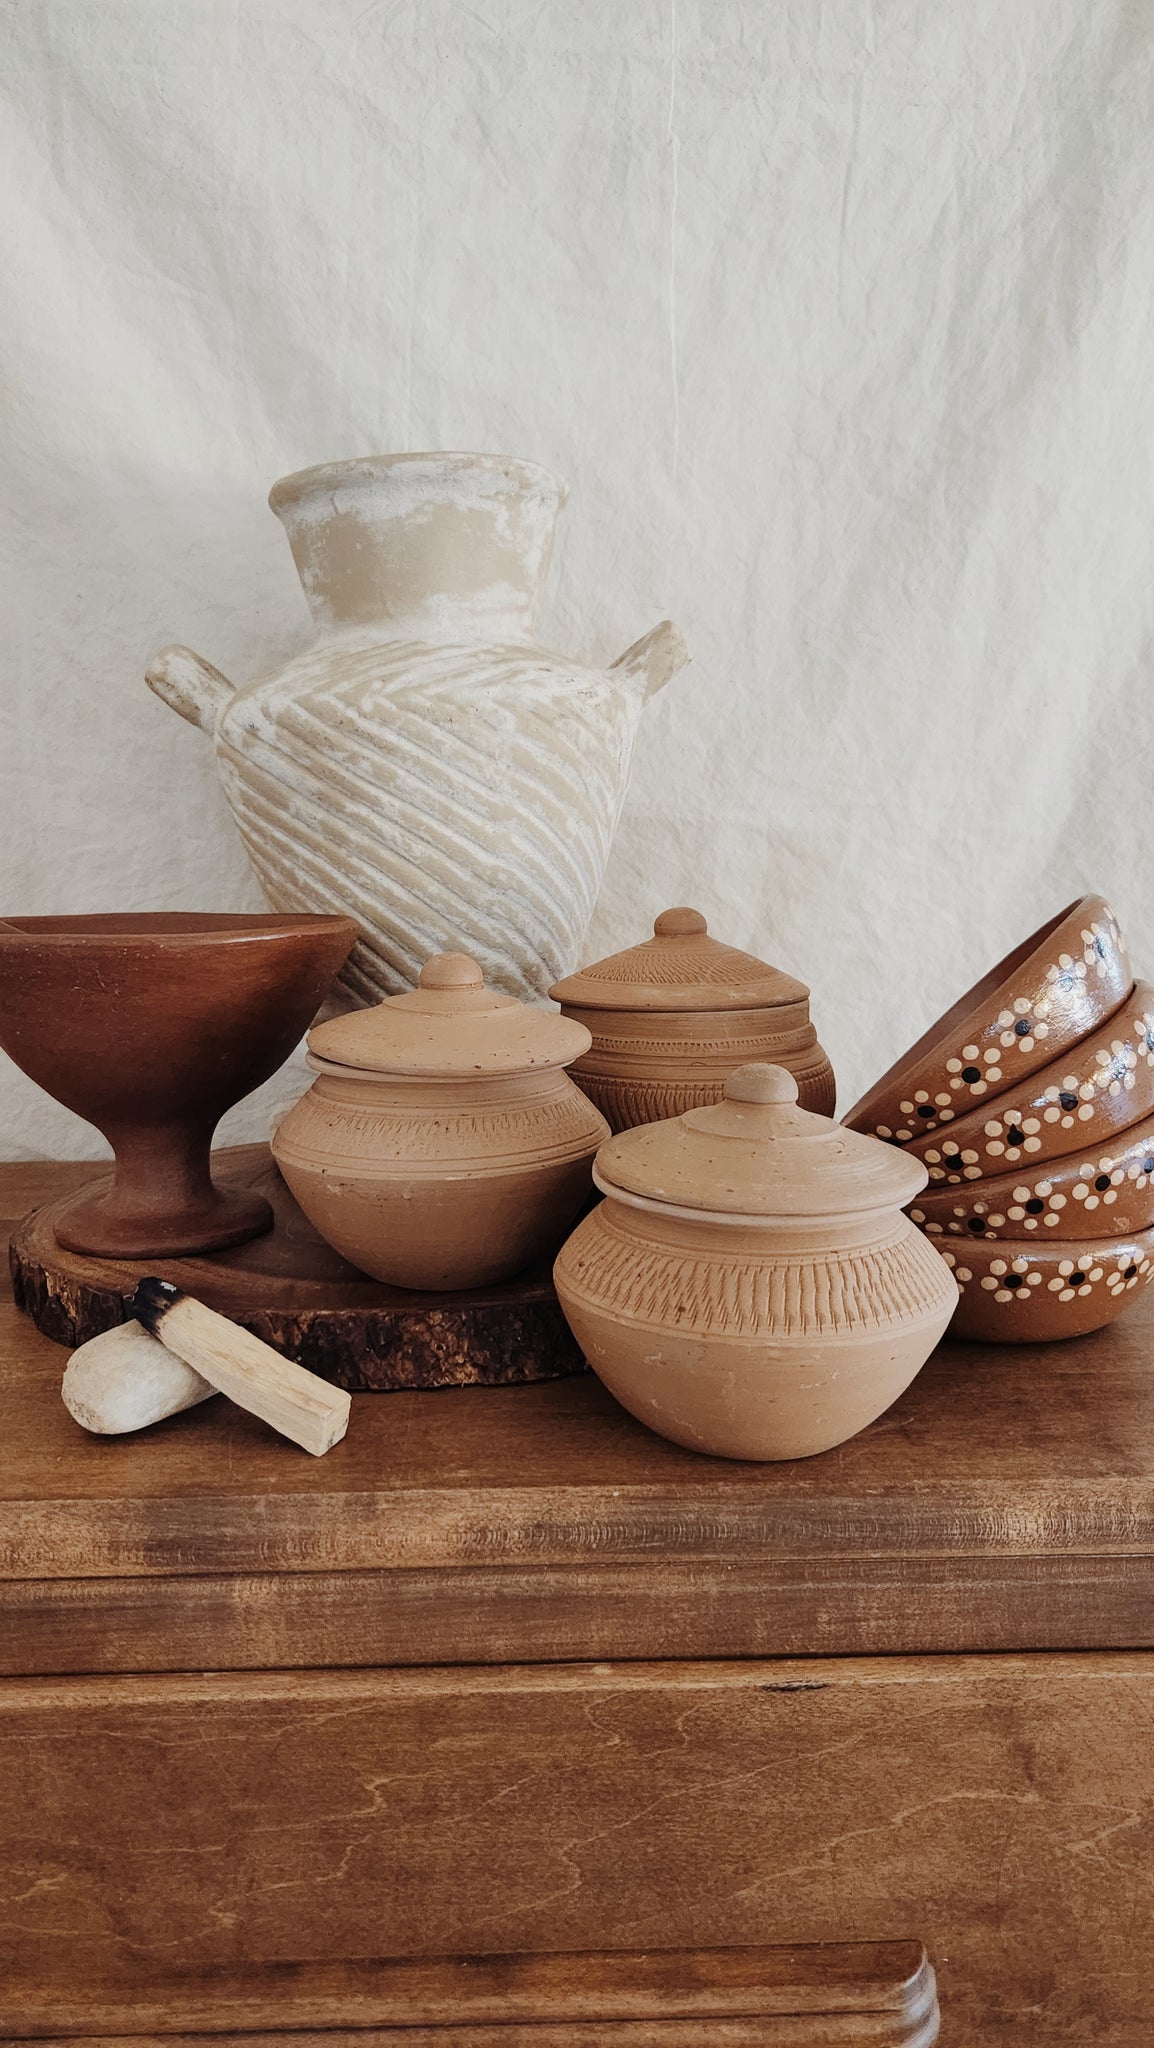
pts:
pixel 425 766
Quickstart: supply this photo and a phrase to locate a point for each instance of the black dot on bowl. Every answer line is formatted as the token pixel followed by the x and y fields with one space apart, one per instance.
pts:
pixel 971 1073
pixel 926 1109
pixel 1023 1027
pixel 1103 1181
pixel 1012 1280
pixel 1079 1280
pixel 1129 1273
pixel 1148 1166
pixel 1067 1100
pixel 977 1224
pixel 1014 1136
pixel 1035 1205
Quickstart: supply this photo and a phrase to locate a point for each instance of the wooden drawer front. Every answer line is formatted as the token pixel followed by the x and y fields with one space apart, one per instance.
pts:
pixel 206 1837
pixel 843 2030
pixel 778 1607
pixel 860 1995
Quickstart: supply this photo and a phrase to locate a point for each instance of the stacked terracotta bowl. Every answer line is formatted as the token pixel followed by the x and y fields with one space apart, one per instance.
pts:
pixel 1031 1103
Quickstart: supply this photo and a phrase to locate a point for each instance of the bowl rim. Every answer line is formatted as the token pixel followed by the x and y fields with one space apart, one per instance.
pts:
pixel 940 1035
pixel 1079 1058
pixel 167 927
pixel 1064 1166
pixel 1043 1250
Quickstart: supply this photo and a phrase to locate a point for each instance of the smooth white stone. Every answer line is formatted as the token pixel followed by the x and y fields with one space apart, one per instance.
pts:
pixel 126 1379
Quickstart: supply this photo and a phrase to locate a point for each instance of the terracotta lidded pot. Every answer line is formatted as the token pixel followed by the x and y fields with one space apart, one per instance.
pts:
pixel 442 1144
pixel 750 1286
pixel 670 1018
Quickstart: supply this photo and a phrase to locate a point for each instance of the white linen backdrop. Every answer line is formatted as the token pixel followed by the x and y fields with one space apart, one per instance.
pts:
pixel 838 320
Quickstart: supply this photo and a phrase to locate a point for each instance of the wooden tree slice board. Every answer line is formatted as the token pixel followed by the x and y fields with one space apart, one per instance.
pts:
pixel 292 1289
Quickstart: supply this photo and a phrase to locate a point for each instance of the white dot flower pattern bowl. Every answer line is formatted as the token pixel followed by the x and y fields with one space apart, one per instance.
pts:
pixel 1031 1104
pixel 1064 982
pixel 1115 1187
pixel 1013 1294
pixel 1083 1100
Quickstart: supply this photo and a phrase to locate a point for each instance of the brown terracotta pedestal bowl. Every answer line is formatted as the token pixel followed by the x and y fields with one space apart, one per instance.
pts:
pixel 151 1026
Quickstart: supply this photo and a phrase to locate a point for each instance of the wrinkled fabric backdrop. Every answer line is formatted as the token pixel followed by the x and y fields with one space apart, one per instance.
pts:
pixel 836 318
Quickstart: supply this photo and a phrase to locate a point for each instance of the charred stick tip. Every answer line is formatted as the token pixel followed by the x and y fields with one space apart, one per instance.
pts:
pixel 152 1301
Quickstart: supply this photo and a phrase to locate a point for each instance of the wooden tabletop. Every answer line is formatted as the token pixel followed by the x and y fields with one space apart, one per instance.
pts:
pixel 1008 1498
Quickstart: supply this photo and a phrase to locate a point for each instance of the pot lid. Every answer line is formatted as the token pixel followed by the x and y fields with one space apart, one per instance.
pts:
pixel 680 968
pixel 450 1027
pixel 757 1155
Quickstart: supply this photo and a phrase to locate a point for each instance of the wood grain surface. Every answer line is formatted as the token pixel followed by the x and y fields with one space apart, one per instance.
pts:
pixel 779 1607
pixel 842 2030
pixel 880 1993
pixel 218 1828
pixel 1035 1461
pixel 176 1836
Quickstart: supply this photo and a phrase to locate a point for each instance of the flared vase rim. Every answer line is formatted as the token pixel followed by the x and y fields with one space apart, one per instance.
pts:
pixel 325 476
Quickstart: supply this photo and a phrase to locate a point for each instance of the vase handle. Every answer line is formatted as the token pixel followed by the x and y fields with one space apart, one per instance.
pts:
pixel 190 685
pixel 655 657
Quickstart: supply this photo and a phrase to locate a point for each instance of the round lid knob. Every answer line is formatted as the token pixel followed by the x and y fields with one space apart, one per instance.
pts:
pixel 681 923
pixel 757 1156
pixel 760 1082
pixel 452 1025
pixel 682 968
pixel 451 970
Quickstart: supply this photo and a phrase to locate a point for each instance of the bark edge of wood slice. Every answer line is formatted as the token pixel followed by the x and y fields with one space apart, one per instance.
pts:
pixel 291 1289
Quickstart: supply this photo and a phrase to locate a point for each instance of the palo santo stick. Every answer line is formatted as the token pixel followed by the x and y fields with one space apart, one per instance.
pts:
pixel 295 1402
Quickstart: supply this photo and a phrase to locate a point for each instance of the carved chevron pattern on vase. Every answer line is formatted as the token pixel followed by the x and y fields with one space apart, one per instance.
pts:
pixel 741 1295
pixel 456 798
